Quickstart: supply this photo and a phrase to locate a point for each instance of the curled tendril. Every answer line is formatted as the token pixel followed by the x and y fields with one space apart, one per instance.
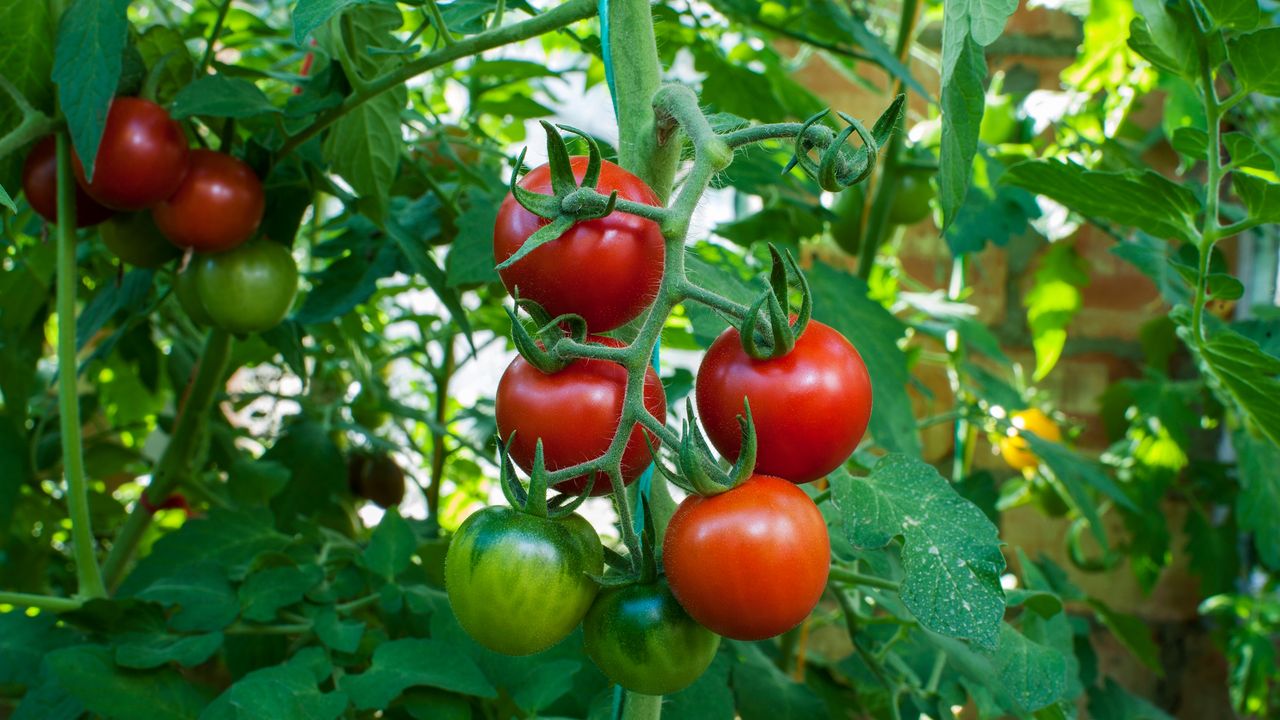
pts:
pixel 836 167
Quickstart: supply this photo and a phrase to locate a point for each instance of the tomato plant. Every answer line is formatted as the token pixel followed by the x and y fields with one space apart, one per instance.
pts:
pixel 217 206
pixel 519 583
pixel 617 259
pixel 135 239
pixel 376 477
pixel 810 406
pixel 248 289
pixel 40 186
pixel 142 156
pixel 911 199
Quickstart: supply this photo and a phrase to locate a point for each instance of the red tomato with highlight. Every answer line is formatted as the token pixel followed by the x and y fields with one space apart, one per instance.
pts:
pixel 575 412
pixel 810 406
pixel 750 563
pixel 606 270
pixel 141 159
pixel 40 185
pixel 217 207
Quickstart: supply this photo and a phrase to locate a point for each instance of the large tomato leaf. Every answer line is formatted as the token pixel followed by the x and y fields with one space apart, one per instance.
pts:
pixel 283 692
pixel 88 673
pixel 87 63
pixel 414 662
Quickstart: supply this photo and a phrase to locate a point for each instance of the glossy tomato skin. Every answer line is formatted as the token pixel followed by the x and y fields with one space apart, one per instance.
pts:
pixel 518 583
pixel 249 289
pixel 217 207
pixel 377 477
pixel 142 158
pixel 40 185
pixel 606 270
pixel 810 406
pixel 642 639
pixel 135 239
pixel 749 563
pixel 1015 450
pixel 575 412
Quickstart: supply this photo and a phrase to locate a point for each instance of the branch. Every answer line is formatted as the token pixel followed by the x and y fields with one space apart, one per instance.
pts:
pixel 42 602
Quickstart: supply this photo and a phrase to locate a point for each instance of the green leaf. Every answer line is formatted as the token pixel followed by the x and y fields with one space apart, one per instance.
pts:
pixel 24 640
pixel 26 54
pixel 1132 632
pixel 87 62
pixel 764 692
pixel 144 651
pixel 221 96
pixel 1246 152
pixel 161 43
pixel 1234 14
pixel 840 300
pixel 86 671
pixel 1167 209
pixel 1262 198
pixel 346 283
pixel 1256 59
pixel 391 547
pixel 1242 373
pixel 1258 503
pixel 265 592
pixel 424 264
pixel 1113 702
pixel 1075 472
pixel 1052 303
pixel 1152 256
pixel 227 539
pixel 318 472
pixel 111 298
pixel 963 98
pixel 335 633
pixel 311 14
pixel 991 212
pixel 470 259
pixel 255 482
pixel 401 664
pixel 48 701
pixel 1191 142
pixel 1167 35
pixel 7 201
pixel 203 595
pixel 710 697
pixel 951 551
pixel 283 692
pixel 1034 674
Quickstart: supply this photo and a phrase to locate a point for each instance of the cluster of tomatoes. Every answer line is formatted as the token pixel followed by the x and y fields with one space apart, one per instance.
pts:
pixel 747 562
pixel 159 198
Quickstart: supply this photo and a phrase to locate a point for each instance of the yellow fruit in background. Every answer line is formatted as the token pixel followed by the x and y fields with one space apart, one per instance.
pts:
pixel 1016 450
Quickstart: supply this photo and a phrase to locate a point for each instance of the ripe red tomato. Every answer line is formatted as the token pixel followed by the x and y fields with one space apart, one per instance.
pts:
pixel 749 563
pixel 141 159
pixel 575 412
pixel 40 184
pixel 606 270
pixel 810 406
pixel 217 207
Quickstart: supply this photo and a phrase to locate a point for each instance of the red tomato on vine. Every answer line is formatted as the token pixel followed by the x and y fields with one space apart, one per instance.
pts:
pixel 40 185
pixel 217 207
pixel 141 159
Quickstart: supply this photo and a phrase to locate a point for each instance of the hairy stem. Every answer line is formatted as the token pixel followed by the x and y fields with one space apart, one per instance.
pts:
pixel 88 575
pixel 637 77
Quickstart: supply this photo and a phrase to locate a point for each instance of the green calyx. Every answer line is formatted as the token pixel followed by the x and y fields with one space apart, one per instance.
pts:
pixel 539 347
pixel 571 202
pixel 773 307
pixel 533 500
pixel 699 472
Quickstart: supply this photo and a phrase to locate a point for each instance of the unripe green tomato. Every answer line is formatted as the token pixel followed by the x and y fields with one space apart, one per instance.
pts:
pixel 846 229
pixel 184 288
pixel 519 583
pixel 367 410
pixel 999 121
pixel 911 201
pixel 640 638
pixel 249 289
pixel 135 239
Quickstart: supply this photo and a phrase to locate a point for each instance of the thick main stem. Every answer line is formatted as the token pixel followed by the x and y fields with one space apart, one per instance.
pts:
pixel 637 76
pixel 88 575
pixel 175 463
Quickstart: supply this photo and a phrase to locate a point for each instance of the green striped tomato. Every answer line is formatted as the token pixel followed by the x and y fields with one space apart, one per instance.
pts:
pixel 519 583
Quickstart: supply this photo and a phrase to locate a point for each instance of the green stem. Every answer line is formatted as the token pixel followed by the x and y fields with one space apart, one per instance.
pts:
pixel 1211 230
pixel 849 577
pixel 42 602
pixel 935 677
pixel 565 14
pixel 349 607
pixel 961 453
pixel 242 628
pixel 34 125
pixel 174 464
pixel 641 707
pixel 637 76
pixel 437 20
pixel 88 574
pixel 440 452
pixel 213 37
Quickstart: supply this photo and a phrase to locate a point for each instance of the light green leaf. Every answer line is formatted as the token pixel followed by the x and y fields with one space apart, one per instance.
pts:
pixel 1191 142
pixel 987 18
pixel 7 201
pixel 1166 34
pixel 1167 209
pixel 204 597
pixel 1258 504
pixel 963 97
pixel 1242 374
pixel 149 650
pixel 1262 198
pixel 1234 14
pixel 161 43
pixel 402 664
pixel 1248 153
pixel 86 671
pixel 26 54
pixel 391 548
pixel 311 14
pixel 1256 59
pixel 265 592
pixel 1034 674
pixel 1113 702
pixel 1052 303
pixel 283 692
pixel 87 62
pixel 1132 632
pixel 951 551
pixel 221 96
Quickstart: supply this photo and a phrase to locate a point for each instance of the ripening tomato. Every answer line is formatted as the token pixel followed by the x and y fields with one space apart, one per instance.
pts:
pixel 142 158
pixel 642 639
pixel 810 406
pixel 911 198
pixel 519 583
pixel 217 207
pixel 135 239
pixel 749 563
pixel 249 289
pixel 575 413
pixel 606 270
pixel 375 476
pixel 40 185
pixel 1015 450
